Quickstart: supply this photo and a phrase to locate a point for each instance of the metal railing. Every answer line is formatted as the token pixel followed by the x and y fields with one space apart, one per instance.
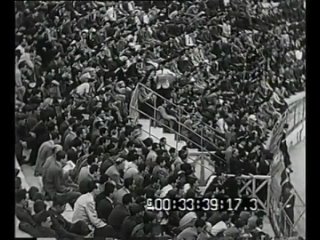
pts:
pixel 283 224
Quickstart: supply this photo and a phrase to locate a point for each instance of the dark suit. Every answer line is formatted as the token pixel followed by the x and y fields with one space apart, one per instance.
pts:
pixel 128 225
pixel 104 208
pixel 24 215
pixel 116 217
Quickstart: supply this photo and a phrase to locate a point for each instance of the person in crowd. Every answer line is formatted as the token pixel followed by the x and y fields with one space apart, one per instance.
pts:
pixel 92 176
pixel 45 151
pixel 113 172
pixel 84 171
pixel 284 149
pixel 135 218
pixel 128 184
pixel 120 212
pixel 192 232
pixel 105 204
pixel 85 210
pixel 22 210
pixel 54 183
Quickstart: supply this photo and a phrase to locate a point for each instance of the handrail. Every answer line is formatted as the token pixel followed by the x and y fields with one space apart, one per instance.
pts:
pixel 152 118
pixel 191 130
pixel 179 107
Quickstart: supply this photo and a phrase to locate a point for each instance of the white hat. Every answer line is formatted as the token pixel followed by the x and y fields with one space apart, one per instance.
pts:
pixel 85 30
pixel 55 82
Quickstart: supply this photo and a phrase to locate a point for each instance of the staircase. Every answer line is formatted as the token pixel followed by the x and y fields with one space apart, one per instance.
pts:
pixel 156 126
pixel 201 161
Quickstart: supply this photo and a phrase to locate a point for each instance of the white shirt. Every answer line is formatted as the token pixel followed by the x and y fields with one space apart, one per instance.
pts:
pixel 218 227
pixel 222 125
pixel 82 89
pixel 84 209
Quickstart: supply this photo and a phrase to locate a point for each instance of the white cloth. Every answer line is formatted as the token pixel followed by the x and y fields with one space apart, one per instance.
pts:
pixel 83 174
pixel 187 219
pixel 164 191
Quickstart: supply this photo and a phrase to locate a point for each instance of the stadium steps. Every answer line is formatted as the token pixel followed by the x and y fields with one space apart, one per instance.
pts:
pixel 157 133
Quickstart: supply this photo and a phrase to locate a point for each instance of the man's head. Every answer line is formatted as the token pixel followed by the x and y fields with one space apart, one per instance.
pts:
pixel 92 188
pixel 136 210
pixel 155 147
pixel 21 197
pixel 163 141
pixel 55 136
pixel 127 200
pixel 109 189
pixel 60 155
pixel 59 203
pixel 93 170
pixel 43 219
pixel 161 161
pixel 81 133
pixel 128 183
pixel 130 146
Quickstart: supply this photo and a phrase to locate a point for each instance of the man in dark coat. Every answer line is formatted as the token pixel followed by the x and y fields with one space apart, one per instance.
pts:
pixel 22 211
pixel 105 203
pixel 42 229
pixel 120 212
pixel 137 212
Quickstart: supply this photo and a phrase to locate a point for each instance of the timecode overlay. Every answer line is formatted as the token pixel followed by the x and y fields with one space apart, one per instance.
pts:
pixel 202 204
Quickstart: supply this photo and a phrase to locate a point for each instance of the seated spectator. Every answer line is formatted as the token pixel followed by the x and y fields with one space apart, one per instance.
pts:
pixel 135 218
pixel 126 189
pixel 120 212
pixel 42 229
pixel 22 210
pixel 221 226
pixel 105 204
pixel 92 176
pixel 192 232
pixel 53 182
pixel 60 225
pixel 113 172
pixel 85 210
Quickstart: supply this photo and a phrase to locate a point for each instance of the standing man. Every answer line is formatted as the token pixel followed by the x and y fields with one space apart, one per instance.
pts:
pixel 284 149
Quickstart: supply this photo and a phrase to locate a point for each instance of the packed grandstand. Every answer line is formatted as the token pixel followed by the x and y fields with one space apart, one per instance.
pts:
pixel 228 66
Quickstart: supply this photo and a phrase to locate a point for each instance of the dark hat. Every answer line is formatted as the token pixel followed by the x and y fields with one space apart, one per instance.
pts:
pixel 136 208
pixel 39 206
pixel 80 228
pixel 41 217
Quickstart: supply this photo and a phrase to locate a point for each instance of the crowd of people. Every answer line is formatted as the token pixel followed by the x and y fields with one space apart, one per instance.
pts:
pixel 228 64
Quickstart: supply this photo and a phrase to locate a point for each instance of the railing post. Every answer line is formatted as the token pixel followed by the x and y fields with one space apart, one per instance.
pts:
pixel 155 111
